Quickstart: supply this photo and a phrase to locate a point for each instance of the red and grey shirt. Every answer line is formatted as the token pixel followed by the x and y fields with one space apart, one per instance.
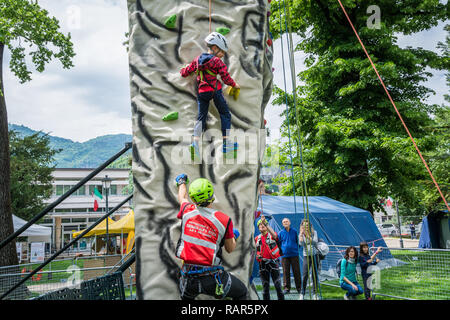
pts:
pixel 266 247
pixel 204 62
pixel 203 232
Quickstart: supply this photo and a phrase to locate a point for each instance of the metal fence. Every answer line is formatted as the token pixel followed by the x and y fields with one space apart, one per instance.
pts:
pixel 402 273
pixel 59 274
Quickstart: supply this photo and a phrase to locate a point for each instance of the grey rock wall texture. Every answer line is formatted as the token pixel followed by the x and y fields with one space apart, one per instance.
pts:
pixel 160 148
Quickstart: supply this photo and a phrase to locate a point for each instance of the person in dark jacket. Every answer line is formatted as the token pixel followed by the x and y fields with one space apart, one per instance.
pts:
pixel 412 228
pixel 208 66
pixel 365 261
pixel 289 247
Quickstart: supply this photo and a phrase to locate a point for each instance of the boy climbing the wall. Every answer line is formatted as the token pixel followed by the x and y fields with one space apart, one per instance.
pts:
pixel 208 66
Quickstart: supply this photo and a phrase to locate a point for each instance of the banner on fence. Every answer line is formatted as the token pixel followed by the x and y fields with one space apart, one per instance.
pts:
pixel 37 252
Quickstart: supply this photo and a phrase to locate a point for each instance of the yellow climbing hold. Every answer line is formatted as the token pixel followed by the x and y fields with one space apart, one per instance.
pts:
pixel 234 92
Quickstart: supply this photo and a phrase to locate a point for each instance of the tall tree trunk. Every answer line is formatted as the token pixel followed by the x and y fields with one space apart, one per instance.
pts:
pixel 8 255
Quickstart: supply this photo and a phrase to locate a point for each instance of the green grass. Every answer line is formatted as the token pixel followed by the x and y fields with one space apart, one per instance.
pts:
pixel 53 278
pixel 426 276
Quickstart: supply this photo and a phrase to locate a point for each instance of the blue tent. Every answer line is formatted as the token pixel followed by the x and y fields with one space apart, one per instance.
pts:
pixel 435 231
pixel 337 223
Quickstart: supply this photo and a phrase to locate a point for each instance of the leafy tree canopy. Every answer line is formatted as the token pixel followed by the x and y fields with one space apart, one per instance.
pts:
pixel 355 149
pixel 31 173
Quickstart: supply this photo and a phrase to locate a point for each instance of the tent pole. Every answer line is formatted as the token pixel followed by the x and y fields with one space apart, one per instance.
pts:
pixel 121 243
pixel 399 224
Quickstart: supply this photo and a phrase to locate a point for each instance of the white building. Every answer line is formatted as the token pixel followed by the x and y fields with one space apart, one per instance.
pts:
pixel 390 215
pixel 77 211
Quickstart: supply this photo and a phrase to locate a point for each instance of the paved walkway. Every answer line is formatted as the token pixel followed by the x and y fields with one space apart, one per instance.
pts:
pixel 407 242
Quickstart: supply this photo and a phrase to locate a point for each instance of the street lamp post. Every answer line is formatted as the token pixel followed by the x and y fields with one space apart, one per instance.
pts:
pixel 399 224
pixel 106 185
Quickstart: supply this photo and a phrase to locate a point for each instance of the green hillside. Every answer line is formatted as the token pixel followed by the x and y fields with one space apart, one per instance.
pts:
pixel 89 154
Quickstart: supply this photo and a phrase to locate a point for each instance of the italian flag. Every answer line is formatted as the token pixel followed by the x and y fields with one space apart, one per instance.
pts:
pixel 97 196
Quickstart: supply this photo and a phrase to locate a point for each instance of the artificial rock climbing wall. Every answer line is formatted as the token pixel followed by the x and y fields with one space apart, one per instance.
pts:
pixel 157 52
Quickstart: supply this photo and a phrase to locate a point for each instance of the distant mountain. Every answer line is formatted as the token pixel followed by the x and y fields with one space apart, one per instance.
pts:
pixel 89 154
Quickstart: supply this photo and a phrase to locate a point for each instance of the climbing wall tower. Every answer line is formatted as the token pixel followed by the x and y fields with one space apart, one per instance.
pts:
pixel 164 37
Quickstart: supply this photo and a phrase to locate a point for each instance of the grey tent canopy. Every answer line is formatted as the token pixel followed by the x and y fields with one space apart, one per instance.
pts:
pixel 35 233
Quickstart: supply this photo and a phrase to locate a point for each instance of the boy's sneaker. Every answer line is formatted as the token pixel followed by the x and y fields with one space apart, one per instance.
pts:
pixel 346 297
pixel 301 297
pixel 195 152
pixel 230 150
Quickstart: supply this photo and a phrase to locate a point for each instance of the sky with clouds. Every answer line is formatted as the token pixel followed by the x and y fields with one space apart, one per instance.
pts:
pixel 93 98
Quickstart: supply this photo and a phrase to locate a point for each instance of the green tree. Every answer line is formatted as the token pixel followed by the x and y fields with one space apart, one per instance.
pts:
pixel 31 173
pixel 354 146
pixel 25 29
pixel 125 161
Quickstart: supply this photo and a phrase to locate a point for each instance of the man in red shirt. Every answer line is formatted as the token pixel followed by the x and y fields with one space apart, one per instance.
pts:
pixel 204 231
pixel 208 66
pixel 268 254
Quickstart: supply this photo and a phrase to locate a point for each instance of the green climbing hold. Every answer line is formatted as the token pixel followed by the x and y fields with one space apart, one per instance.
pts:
pixel 223 30
pixel 171 21
pixel 171 116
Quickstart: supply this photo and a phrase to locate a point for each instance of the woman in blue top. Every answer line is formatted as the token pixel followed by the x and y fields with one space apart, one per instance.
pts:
pixel 348 280
pixel 365 261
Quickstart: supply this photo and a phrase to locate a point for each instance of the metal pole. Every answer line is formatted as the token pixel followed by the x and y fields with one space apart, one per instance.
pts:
pixel 399 224
pixel 32 273
pixel 107 230
pixel 64 196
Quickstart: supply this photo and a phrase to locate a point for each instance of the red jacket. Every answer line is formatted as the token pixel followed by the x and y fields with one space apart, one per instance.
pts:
pixel 207 61
pixel 266 247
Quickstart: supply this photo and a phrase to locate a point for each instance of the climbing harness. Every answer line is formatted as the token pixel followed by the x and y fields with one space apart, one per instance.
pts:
pixel 200 73
pixel 189 272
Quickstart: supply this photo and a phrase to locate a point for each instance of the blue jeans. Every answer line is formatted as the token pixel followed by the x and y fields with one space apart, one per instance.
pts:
pixel 350 290
pixel 203 100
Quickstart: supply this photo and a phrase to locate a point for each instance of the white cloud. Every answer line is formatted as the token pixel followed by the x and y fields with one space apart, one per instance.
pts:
pixel 92 98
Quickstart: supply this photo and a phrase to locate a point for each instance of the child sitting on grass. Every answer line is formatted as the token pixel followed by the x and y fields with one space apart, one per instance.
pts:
pixel 347 280
pixel 208 66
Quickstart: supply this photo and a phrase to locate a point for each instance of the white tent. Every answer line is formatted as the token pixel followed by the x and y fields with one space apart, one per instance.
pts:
pixel 35 233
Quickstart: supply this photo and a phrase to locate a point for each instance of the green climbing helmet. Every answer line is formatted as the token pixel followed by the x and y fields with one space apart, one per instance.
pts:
pixel 201 192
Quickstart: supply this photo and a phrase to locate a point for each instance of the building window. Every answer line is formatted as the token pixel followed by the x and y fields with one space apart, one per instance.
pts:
pixel 92 187
pixel 59 190
pixel 113 190
pixel 81 191
pixel 70 228
pixel 62 210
